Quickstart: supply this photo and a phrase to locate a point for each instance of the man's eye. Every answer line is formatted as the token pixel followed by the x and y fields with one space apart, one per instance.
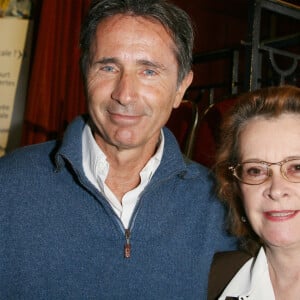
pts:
pixel 149 72
pixel 108 68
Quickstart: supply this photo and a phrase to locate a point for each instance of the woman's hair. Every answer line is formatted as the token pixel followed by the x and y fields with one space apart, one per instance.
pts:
pixel 175 20
pixel 267 103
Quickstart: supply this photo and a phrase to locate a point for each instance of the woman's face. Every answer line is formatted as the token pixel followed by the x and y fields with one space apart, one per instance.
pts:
pixel 272 208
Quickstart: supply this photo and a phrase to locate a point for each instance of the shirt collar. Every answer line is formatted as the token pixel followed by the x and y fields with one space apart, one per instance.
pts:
pixel 94 160
pixel 96 166
pixel 252 281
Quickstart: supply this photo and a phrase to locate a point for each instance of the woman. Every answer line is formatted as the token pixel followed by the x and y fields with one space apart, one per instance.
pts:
pixel 258 173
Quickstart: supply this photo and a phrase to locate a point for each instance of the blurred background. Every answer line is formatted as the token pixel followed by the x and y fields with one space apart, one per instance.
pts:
pixel 241 45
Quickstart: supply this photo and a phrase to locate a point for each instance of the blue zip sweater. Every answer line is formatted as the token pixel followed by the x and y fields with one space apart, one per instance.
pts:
pixel 60 239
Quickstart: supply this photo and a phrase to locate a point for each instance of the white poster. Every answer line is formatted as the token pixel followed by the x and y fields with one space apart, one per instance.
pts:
pixel 13 35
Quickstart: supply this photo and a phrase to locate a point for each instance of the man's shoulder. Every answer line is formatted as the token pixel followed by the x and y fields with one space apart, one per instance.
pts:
pixel 199 171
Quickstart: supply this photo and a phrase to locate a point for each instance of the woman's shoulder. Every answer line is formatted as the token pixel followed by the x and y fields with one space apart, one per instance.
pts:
pixel 236 256
pixel 223 268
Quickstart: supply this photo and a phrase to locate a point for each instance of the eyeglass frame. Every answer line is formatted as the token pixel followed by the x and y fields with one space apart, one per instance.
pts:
pixel 232 168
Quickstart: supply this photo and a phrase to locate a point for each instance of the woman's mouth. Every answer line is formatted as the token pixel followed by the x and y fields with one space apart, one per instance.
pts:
pixel 280 215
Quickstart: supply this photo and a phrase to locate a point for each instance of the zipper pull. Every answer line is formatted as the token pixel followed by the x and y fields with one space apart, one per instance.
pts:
pixel 127 247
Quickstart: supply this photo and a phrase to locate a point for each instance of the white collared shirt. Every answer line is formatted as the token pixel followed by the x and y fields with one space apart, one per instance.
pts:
pixel 96 170
pixel 252 282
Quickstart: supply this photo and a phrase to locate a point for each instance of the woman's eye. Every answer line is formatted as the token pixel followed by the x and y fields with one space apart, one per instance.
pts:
pixel 255 171
pixel 294 168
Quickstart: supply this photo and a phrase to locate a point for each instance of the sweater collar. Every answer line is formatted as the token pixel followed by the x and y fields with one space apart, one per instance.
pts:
pixel 70 151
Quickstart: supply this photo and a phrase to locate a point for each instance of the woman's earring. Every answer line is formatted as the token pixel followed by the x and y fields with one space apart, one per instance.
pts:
pixel 243 219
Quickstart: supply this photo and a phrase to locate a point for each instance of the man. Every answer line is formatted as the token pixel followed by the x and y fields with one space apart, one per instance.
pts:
pixel 114 211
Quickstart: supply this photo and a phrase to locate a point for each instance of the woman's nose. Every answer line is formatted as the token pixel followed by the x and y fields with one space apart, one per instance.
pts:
pixel 278 186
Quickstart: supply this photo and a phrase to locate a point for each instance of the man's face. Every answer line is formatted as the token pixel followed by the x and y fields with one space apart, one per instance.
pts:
pixel 132 82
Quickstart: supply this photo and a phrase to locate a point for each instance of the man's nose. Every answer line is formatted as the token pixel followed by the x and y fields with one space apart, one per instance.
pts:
pixel 125 89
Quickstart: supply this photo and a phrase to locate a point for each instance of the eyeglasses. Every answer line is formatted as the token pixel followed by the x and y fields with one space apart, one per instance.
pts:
pixel 256 172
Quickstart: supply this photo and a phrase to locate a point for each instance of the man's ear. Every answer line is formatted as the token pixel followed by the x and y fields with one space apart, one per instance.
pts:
pixel 185 83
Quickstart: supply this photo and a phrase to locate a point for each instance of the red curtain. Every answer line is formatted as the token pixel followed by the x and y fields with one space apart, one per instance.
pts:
pixel 55 92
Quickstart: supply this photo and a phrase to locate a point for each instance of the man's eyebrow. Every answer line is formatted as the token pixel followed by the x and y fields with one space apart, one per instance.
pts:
pixel 107 60
pixel 142 62
pixel 153 64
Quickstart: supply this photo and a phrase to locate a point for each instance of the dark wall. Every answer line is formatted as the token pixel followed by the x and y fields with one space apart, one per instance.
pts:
pixel 223 24
pixel 218 23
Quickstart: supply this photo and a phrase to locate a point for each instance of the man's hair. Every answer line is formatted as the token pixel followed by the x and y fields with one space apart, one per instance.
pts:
pixel 267 103
pixel 176 21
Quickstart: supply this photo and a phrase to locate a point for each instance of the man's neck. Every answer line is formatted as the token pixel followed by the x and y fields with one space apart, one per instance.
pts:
pixel 125 166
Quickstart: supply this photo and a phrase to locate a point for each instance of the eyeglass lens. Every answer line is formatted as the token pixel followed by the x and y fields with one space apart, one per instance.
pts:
pixel 259 172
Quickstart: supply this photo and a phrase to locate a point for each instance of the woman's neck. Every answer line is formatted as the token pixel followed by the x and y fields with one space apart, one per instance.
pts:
pixel 284 269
